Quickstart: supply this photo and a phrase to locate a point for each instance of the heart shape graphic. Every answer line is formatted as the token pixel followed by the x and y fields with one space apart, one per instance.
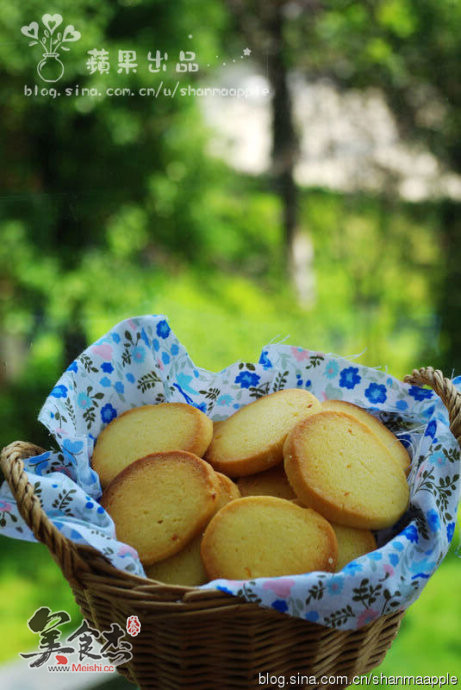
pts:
pixel 31 31
pixel 70 34
pixel 72 446
pixel 52 21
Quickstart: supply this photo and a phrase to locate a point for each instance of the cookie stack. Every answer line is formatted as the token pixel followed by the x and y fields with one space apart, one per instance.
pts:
pixel 312 481
pixel 158 490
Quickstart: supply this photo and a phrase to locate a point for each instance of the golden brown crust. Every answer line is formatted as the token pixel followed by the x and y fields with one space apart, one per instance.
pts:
pixel 298 502
pixel 272 482
pixel 259 462
pixel 161 502
pixel 184 568
pixel 238 462
pixel 228 490
pixel 108 461
pixel 264 536
pixel 386 436
pixel 333 482
pixel 352 543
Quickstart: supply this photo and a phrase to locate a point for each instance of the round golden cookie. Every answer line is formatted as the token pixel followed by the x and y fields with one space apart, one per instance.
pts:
pixel 387 438
pixel 251 440
pixel 272 482
pixel 161 502
pixel 352 543
pixel 149 429
pixel 228 491
pixel 186 567
pixel 338 467
pixel 264 536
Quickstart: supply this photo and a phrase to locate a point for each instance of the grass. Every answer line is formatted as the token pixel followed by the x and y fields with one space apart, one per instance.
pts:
pixel 429 641
pixel 29 579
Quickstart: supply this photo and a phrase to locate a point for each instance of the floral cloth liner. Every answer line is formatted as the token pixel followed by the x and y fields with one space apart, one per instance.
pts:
pixel 140 361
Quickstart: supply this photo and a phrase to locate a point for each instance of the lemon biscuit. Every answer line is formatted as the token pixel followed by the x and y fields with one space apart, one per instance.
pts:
pixel 352 543
pixel 338 467
pixel 251 440
pixel 272 482
pixel 161 502
pixel 228 490
pixel 150 429
pixel 186 567
pixel 264 536
pixel 387 438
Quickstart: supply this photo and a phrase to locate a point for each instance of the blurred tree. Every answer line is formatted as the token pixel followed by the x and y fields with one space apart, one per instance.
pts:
pixel 264 25
pixel 81 175
pixel 410 51
pixel 115 190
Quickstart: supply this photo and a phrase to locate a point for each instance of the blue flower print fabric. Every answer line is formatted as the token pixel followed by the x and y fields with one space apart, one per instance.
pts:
pixel 140 361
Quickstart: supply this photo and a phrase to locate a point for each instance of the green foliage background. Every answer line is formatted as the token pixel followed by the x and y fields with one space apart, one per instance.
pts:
pixel 112 208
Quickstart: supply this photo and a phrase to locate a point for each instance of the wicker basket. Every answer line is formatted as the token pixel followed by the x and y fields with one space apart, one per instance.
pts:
pixel 205 640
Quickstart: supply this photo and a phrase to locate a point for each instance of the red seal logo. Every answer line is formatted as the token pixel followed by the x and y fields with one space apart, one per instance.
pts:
pixel 133 626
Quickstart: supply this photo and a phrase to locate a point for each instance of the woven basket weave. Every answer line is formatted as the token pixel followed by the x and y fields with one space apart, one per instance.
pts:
pixel 205 640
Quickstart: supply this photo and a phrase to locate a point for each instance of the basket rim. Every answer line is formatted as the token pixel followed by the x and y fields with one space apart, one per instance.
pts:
pixel 80 563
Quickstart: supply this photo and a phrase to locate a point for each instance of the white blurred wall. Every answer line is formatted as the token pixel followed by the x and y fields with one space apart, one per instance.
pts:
pixel 349 141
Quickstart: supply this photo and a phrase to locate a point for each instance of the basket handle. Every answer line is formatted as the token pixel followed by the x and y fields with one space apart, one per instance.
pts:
pixel 62 549
pixel 446 391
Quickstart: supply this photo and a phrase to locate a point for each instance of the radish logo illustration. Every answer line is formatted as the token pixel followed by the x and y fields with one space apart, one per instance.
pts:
pixel 50 67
